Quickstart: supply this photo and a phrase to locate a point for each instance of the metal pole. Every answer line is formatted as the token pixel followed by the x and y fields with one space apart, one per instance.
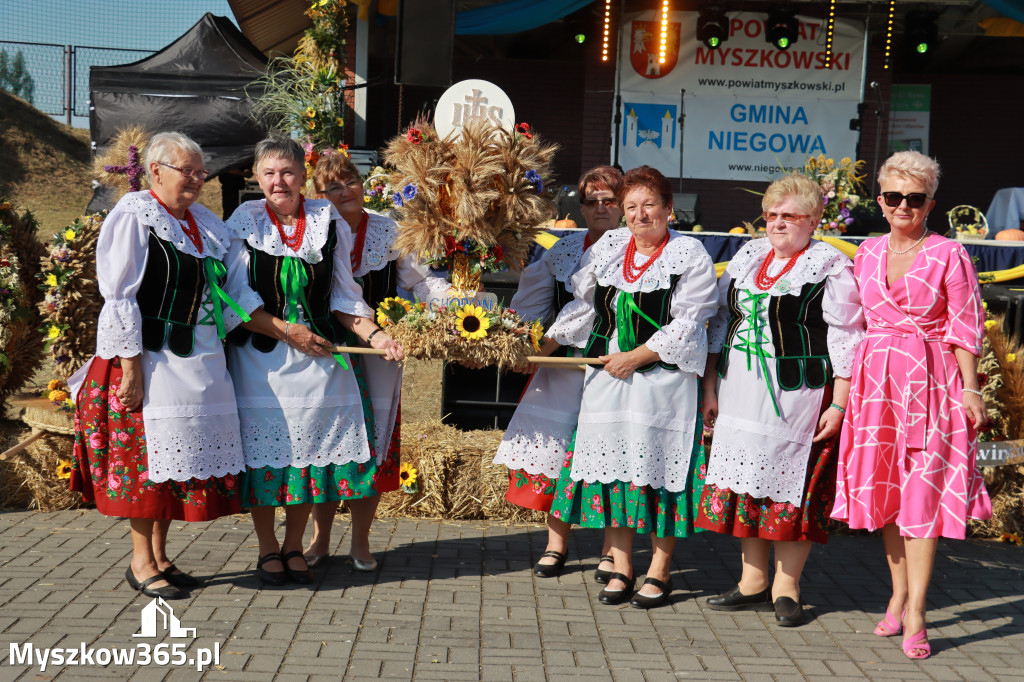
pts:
pixel 68 92
pixel 682 118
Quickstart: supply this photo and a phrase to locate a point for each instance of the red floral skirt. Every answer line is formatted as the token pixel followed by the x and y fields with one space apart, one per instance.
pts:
pixel 746 516
pixel 111 468
pixel 532 491
pixel 387 479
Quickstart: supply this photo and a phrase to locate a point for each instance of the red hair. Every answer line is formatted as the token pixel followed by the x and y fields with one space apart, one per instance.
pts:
pixel 648 178
pixel 600 177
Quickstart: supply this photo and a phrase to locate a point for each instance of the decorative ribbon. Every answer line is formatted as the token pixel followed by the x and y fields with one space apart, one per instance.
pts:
pixel 215 272
pixel 915 393
pixel 293 281
pixel 753 341
pixel 625 308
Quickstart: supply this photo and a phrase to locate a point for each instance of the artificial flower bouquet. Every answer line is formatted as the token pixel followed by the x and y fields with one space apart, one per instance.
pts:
pixel 842 189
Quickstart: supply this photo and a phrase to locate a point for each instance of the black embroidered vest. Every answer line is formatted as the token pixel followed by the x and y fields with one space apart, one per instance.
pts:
pixel 562 299
pixel 655 304
pixel 265 279
pixel 170 297
pixel 799 336
pixel 379 284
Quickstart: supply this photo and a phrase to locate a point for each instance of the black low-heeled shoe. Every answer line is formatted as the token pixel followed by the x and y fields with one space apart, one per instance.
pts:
pixel 601 577
pixel 734 600
pixel 180 579
pixel 271 577
pixel 789 613
pixel 165 592
pixel 612 597
pixel 551 570
pixel 646 601
pixel 302 576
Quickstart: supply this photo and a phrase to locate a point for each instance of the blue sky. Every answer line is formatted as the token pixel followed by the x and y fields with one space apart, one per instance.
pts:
pixel 137 25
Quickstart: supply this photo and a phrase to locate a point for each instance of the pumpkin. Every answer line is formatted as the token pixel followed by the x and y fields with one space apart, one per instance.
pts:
pixel 1011 235
pixel 738 230
pixel 566 223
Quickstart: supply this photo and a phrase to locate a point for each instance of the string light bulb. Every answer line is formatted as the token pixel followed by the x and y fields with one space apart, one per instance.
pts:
pixel 663 48
pixel 829 32
pixel 607 29
pixel 888 35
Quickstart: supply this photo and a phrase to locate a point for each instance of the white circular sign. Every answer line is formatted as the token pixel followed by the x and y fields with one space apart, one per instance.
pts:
pixel 473 99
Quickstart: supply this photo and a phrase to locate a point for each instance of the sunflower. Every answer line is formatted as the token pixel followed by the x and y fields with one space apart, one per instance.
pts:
pixel 51 280
pixel 536 334
pixel 472 322
pixel 64 468
pixel 54 331
pixel 391 310
pixel 407 475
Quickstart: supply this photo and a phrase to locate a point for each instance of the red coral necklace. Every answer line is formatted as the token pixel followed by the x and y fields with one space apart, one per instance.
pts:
pixel 763 281
pixel 357 250
pixel 630 271
pixel 189 227
pixel 295 240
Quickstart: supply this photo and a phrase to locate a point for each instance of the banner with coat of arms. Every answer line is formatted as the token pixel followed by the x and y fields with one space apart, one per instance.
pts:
pixel 747 109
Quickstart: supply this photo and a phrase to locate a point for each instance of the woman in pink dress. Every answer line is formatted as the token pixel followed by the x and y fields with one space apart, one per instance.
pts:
pixel 906 461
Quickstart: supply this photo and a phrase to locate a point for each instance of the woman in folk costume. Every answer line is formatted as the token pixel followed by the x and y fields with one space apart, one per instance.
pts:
pixel 642 297
pixel 787 329
pixel 907 455
pixel 538 437
pixel 156 427
pixel 305 422
pixel 380 271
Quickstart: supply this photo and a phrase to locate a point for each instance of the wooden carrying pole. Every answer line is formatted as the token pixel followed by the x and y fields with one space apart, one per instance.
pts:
pixel 561 363
pixel 36 435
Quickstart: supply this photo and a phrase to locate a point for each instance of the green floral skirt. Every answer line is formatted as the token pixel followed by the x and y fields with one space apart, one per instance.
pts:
pixel 622 504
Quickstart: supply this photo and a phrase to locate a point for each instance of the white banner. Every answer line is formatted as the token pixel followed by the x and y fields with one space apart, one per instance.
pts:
pixel 744 64
pixel 756 138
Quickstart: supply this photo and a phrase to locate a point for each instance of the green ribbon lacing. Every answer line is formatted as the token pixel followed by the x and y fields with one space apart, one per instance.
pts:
pixel 752 340
pixel 625 307
pixel 215 273
pixel 293 281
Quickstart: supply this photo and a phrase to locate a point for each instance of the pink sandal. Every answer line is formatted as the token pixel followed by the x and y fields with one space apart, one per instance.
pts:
pixel 917 645
pixel 889 626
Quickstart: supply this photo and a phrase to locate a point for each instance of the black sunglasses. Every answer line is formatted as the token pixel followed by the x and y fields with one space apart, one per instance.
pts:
pixel 607 202
pixel 914 199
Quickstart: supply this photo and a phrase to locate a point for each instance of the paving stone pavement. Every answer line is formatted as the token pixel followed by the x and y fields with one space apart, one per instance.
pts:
pixel 458 601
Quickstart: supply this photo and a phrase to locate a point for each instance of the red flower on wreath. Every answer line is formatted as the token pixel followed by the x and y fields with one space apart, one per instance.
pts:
pixel 524 130
pixel 414 136
pixel 499 252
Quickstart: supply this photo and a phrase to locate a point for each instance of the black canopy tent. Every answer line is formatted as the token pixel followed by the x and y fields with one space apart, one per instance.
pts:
pixel 196 85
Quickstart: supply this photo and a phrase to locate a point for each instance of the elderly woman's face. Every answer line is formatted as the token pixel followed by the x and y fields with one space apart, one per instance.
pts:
pixel 178 187
pixel 282 180
pixel 600 208
pixel 903 218
pixel 646 214
pixel 346 194
pixel 789 227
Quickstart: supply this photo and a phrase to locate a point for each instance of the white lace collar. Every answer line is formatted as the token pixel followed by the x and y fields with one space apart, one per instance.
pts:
pixel 251 223
pixel 378 249
pixel 607 255
pixel 150 213
pixel 565 256
pixel 821 260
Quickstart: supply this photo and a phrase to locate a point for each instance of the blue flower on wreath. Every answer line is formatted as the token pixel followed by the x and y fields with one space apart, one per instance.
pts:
pixel 396 198
pixel 409 192
pixel 534 177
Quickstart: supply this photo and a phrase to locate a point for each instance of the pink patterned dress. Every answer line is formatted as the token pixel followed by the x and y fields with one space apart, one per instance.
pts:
pixel 907 447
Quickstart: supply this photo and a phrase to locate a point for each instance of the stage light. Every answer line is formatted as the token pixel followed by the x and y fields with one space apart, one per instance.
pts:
pixel 921 33
pixel 781 28
pixel 888 35
pixel 712 28
pixel 580 38
pixel 607 29
pixel 664 32
pixel 830 31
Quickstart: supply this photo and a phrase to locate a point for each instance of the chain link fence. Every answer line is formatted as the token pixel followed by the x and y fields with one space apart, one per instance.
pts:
pixel 55 78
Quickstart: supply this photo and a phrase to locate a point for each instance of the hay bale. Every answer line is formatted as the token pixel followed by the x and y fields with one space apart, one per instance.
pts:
pixel 31 479
pixel 456 476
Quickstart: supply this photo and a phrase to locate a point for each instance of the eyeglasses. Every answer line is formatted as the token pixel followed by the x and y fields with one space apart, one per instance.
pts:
pixel 607 202
pixel 338 186
pixel 914 199
pixel 786 217
pixel 190 173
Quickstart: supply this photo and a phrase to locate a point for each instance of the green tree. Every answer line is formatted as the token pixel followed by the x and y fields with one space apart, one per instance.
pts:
pixel 15 78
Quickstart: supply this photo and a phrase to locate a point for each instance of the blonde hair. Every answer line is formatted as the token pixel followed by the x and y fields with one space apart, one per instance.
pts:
pixel 797 185
pixel 333 167
pixel 914 166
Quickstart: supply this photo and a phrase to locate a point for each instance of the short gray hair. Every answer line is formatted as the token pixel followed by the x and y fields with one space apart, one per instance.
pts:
pixel 160 145
pixel 278 147
pixel 913 165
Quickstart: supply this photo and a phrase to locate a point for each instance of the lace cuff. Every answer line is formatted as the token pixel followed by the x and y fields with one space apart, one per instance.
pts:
pixel 343 304
pixel 683 343
pixel 248 301
pixel 119 330
pixel 574 324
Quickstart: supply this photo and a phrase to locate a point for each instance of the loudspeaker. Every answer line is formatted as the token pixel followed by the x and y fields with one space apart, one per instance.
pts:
pixel 426 39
